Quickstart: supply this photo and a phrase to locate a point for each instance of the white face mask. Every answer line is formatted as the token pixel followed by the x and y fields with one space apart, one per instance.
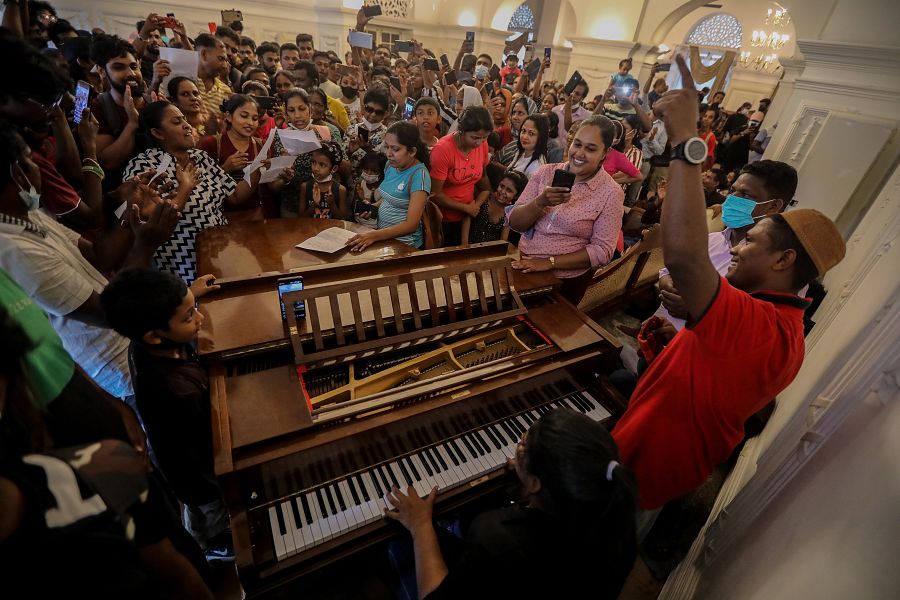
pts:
pixel 370 177
pixel 324 179
pixel 369 125
pixel 31 198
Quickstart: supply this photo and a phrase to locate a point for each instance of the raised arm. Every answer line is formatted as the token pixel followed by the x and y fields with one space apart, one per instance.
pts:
pixel 684 232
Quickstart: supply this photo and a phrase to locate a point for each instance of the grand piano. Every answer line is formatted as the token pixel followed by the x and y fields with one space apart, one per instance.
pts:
pixel 419 369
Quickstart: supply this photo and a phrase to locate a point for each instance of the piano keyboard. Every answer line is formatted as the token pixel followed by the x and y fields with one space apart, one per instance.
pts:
pixel 315 516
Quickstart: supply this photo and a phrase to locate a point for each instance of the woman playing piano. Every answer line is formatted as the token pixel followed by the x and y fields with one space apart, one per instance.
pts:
pixel 575 533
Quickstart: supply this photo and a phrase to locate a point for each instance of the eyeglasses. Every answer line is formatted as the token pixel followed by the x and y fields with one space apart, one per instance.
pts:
pixel 378 112
pixel 46 18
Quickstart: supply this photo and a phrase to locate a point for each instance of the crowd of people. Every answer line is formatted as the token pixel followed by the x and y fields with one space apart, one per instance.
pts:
pixel 112 165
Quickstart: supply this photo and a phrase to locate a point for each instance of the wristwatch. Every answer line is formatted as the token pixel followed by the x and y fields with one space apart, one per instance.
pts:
pixel 692 151
pixel 552 260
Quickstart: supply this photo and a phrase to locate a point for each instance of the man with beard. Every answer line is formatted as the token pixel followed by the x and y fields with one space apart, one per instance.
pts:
pixel 267 55
pixel 322 60
pixel 213 60
pixel 118 109
pixel 147 45
pixel 40 17
pixel 232 41
pixel 247 53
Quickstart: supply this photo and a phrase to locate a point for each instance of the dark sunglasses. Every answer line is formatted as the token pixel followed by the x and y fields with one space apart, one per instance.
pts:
pixel 378 112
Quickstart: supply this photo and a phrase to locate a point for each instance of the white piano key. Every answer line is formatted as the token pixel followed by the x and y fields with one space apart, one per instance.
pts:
pixel 315 527
pixel 280 551
pixel 306 533
pixel 290 540
pixel 354 514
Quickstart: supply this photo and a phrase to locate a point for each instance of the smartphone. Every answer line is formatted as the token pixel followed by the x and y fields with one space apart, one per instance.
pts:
pixel 395 83
pixel 444 60
pixel 489 87
pixel 360 39
pixel 408 109
pixel 573 82
pixel 546 53
pixel 533 68
pixel 372 10
pixel 291 284
pixel 664 68
pixel 212 27
pixel 529 54
pixel 402 46
pixel 266 102
pixel 470 37
pixel 563 179
pixel 82 93
pixel 431 64
pixel 450 78
pixel 230 16
pixel 494 72
pixel 169 21
pixel 364 207
pixel 363 134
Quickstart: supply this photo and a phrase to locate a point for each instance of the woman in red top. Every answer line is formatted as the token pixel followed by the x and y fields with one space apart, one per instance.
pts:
pixel 706 134
pixel 237 148
pixel 457 169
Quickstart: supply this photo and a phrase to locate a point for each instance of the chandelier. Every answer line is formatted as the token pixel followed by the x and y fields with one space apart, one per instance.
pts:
pixel 773 40
pixel 778 17
pixel 761 62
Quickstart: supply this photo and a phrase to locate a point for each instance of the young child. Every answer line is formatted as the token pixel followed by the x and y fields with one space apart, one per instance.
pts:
pixel 324 197
pixel 366 194
pixel 509 73
pixel 428 120
pixel 157 312
pixel 490 224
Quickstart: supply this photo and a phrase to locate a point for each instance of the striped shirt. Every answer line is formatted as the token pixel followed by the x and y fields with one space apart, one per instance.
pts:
pixel 212 99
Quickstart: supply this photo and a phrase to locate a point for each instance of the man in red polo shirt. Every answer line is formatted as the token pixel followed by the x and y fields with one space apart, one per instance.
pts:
pixel 743 343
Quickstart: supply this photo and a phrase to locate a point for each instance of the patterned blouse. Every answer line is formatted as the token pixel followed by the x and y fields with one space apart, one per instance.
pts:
pixel 202 210
pixel 590 220
pixel 290 195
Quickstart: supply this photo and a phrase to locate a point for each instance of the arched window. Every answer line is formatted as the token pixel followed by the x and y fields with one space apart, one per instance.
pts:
pixel 720 30
pixel 522 19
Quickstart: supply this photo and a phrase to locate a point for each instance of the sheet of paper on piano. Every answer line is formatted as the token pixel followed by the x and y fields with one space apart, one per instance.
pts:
pixel 328 240
pixel 278 164
pixel 326 321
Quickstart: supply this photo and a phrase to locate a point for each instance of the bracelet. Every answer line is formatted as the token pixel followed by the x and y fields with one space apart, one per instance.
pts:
pixel 91 161
pixel 94 171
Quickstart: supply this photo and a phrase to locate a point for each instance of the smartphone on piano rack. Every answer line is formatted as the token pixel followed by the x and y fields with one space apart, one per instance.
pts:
pixel 293 283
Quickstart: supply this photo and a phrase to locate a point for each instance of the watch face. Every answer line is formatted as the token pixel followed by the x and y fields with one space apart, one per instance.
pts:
pixel 695 150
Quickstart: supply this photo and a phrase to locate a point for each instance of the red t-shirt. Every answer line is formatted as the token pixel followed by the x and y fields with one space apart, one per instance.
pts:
pixel 711 141
pixel 460 173
pixel 687 414
pixel 57 196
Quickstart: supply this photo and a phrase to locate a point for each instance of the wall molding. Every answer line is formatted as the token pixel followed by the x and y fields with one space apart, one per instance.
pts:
pixel 840 55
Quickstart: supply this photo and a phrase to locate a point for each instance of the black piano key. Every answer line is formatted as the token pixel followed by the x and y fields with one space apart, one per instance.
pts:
pixel 472 452
pixel 510 432
pixel 404 471
pixel 391 476
pixel 362 487
pixel 528 418
pixel 459 451
pixel 451 453
pixel 423 458
pixel 281 526
pixel 297 518
pixel 385 478
pixel 587 400
pixel 330 498
pixel 353 493
pixel 440 460
pixel 493 436
pixel 339 496
pixel 410 465
pixel 482 437
pixel 565 404
pixel 323 511
pixel 476 443
pixel 579 403
pixel 373 477
pixel 306 511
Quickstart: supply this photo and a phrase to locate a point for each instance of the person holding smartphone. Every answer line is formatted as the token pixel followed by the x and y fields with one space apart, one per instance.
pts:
pixel 571 228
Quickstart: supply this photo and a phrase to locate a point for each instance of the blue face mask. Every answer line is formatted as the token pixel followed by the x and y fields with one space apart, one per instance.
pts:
pixel 737 212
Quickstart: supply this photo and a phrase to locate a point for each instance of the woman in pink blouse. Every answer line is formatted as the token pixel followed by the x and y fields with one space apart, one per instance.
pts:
pixel 571 232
